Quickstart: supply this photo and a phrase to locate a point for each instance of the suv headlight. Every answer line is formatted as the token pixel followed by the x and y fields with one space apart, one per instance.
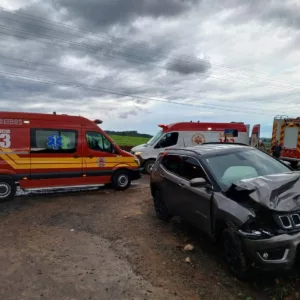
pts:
pixel 138 153
pixel 262 226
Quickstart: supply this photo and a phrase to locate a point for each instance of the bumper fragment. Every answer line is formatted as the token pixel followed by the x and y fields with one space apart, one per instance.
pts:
pixel 278 252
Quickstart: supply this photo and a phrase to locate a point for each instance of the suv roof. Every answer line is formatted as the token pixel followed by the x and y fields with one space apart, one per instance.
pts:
pixel 211 148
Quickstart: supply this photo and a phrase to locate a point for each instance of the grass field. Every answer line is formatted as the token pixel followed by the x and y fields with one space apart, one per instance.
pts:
pixel 134 141
pixel 128 140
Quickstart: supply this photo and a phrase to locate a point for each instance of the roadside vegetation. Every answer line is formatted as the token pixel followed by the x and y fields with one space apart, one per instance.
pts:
pixel 129 138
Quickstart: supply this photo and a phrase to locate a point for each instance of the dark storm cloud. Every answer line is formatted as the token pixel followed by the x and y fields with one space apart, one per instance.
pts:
pixel 95 13
pixel 187 66
pixel 112 66
pixel 30 22
pixel 56 41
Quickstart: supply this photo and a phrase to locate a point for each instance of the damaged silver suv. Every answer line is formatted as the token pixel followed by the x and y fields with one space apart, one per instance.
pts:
pixel 238 195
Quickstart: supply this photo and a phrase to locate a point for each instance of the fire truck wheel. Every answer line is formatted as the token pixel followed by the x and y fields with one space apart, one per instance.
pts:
pixel 121 180
pixel 7 190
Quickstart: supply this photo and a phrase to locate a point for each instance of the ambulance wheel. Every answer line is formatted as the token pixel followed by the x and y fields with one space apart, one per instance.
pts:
pixel 121 180
pixel 148 165
pixel 7 190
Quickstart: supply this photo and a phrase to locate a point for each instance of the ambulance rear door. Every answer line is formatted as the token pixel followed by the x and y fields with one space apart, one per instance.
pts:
pixel 15 148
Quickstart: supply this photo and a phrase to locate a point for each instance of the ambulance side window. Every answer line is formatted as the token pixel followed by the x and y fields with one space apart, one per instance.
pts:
pixel 53 141
pixel 168 140
pixel 98 142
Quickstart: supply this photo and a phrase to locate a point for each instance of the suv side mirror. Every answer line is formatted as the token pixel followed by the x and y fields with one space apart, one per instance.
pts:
pixel 198 182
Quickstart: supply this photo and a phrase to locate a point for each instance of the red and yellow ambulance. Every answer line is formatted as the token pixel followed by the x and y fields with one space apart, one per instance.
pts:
pixel 42 151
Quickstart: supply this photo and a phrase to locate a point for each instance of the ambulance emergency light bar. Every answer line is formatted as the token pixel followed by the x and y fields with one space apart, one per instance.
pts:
pixel 163 126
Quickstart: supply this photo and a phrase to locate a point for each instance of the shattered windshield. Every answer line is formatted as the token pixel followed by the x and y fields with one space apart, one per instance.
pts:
pixel 154 139
pixel 231 167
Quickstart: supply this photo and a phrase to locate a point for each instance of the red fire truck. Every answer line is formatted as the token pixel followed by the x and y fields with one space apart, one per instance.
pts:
pixel 286 132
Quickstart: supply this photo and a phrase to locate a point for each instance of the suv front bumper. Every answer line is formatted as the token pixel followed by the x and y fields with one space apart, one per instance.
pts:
pixel 278 252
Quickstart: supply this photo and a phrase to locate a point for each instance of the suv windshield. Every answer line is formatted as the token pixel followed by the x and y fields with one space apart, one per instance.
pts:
pixel 154 139
pixel 231 167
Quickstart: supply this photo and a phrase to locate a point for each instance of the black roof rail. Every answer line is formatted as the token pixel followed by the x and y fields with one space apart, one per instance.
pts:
pixel 181 149
pixel 222 143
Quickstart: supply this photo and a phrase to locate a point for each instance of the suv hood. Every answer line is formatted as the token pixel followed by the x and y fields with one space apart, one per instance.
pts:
pixel 279 192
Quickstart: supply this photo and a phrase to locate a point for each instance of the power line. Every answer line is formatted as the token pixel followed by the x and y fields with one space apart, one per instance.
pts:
pixel 62 25
pixel 113 92
pixel 115 52
pixel 76 70
pixel 51 40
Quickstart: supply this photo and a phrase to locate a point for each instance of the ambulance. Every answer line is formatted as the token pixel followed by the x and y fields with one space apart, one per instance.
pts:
pixel 187 134
pixel 44 151
pixel 286 132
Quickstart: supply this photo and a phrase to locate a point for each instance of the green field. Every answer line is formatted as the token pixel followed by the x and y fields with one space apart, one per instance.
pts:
pixel 128 140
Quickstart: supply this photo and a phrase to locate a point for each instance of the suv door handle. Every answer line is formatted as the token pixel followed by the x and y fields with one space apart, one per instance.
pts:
pixel 162 175
pixel 182 185
pixel 75 156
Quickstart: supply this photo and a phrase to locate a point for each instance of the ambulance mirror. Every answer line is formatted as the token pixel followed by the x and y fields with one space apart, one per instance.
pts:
pixel 113 149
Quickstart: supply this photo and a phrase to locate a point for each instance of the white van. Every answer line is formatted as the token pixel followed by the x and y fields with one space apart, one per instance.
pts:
pixel 187 134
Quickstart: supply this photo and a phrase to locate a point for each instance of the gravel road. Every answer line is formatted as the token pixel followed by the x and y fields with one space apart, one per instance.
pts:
pixel 109 245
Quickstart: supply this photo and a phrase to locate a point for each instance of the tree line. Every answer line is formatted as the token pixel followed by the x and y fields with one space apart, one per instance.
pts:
pixel 132 133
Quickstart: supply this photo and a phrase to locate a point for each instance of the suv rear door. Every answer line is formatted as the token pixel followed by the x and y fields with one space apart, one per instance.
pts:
pixel 171 164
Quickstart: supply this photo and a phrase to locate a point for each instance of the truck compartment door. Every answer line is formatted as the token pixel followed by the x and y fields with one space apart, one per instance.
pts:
pixel 290 138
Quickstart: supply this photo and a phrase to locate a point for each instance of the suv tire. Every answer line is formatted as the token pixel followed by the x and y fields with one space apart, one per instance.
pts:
pixel 148 165
pixel 160 208
pixel 7 190
pixel 234 255
pixel 121 180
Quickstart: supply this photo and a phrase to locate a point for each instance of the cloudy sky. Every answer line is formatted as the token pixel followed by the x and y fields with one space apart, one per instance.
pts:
pixel 138 63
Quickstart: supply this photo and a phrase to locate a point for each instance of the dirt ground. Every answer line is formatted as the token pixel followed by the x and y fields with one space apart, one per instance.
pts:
pixel 109 245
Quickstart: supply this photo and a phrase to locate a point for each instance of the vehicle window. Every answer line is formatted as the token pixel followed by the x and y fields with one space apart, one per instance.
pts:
pixel 172 163
pixel 53 140
pixel 231 167
pixel 155 138
pixel 170 139
pixel 191 169
pixel 98 142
